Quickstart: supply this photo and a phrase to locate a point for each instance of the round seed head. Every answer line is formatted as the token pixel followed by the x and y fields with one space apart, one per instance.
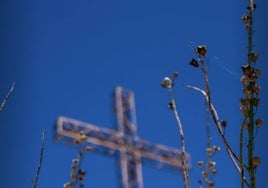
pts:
pixel 200 164
pixel 245 19
pixel 201 50
pixel 166 82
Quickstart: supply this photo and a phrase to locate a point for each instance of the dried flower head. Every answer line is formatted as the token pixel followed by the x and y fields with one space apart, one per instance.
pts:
pixel 255 161
pixel 194 63
pixel 247 92
pixel 257 89
pixel 216 148
pixel 244 101
pixel 68 185
pixel 166 82
pixel 204 174
pixel 245 19
pixel 201 50
pixel 175 75
pixel 258 122
pixel 246 69
pixel 211 164
pixel 209 151
pixel 214 171
pixel 210 184
pixel 245 80
pixel 75 161
pixel 244 110
pixel 200 164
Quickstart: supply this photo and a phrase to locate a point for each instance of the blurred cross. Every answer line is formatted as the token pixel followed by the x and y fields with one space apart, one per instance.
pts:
pixel 124 143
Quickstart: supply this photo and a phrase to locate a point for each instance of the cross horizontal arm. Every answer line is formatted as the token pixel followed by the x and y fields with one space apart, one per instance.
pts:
pixel 111 142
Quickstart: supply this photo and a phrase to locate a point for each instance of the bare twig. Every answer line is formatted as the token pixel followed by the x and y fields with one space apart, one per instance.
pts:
pixel 40 160
pixel 186 178
pixel 7 96
pixel 215 116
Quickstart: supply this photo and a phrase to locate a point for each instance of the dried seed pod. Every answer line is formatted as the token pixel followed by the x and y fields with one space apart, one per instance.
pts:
pixel 244 101
pixel 88 149
pixel 255 161
pixel 224 123
pixel 73 176
pixel 248 93
pixel 175 75
pixel 246 69
pixel 166 82
pixel 245 19
pixel 210 184
pixel 75 161
pixel 201 50
pixel 82 172
pixel 211 164
pixel 204 174
pixel 68 185
pixel 216 148
pixel 209 151
pixel 194 63
pixel 171 105
pixel 245 80
pixel 200 164
pixel 257 89
pixel 244 110
pixel 214 171
pixel 258 122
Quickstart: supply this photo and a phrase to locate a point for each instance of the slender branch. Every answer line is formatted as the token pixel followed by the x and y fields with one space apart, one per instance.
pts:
pixel 7 96
pixel 40 160
pixel 186 177
pixel 241 157
pixel 214 114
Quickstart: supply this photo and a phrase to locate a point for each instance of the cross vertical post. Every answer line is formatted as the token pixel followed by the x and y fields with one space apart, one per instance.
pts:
pixel 130 163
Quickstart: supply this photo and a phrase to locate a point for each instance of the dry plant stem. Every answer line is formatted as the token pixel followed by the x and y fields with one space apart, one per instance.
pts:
pixel 186 178
pixel 40 160
pixel 204 71
pixel 215 117
pixel 250 147
pixel 7 96
pixel 241 157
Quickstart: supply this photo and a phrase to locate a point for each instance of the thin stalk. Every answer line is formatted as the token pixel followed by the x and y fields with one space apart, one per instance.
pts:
pixel 7 96
pixel 215 117
pixel 207 90
pixel 241 157
pixel 40 161
pixel 186 178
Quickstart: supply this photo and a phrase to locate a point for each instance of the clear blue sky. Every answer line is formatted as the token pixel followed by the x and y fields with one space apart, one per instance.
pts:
pixel 66 57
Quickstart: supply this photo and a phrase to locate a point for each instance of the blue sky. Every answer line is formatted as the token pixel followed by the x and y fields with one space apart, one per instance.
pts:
pixel 67 56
